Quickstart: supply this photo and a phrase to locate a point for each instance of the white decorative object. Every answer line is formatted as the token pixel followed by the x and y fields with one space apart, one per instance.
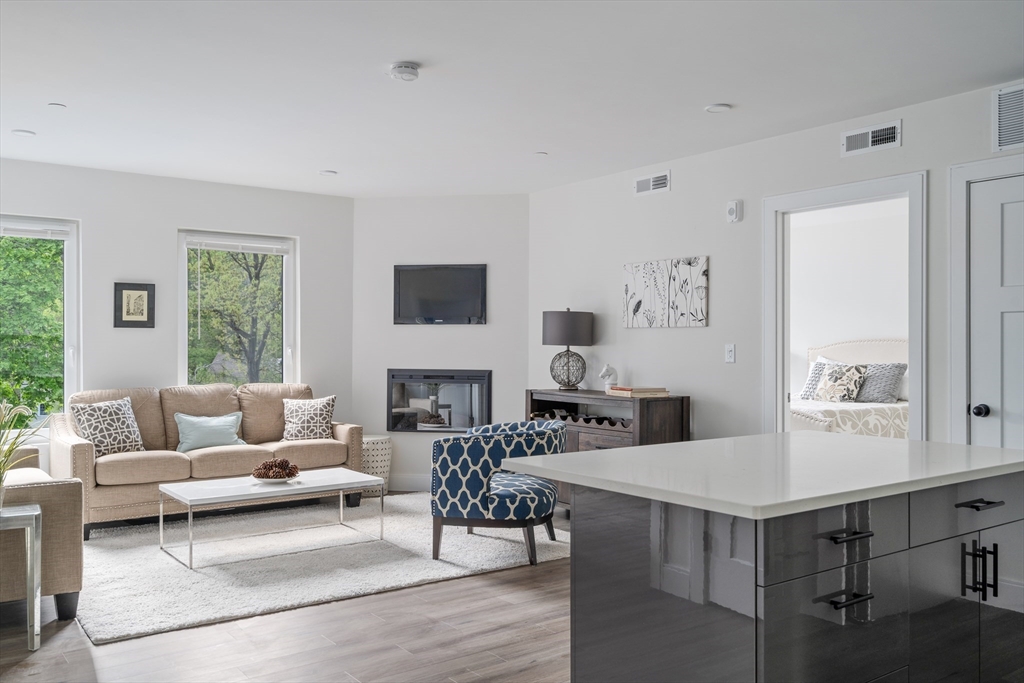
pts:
pixel 667 293
pixel 377 452
pixel 610 376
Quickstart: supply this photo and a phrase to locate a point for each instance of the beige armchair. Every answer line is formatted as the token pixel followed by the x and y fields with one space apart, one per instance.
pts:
pixel 61 502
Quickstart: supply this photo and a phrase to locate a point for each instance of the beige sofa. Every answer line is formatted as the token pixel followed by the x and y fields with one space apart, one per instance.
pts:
pixel 61 502
pixel 125 485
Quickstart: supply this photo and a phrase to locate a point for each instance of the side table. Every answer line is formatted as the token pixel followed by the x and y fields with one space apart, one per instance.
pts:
pixel 29 518
pixel 377 461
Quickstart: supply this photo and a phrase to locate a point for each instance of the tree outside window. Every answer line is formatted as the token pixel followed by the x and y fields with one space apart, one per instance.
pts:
pixel 235 317
pixel 32 322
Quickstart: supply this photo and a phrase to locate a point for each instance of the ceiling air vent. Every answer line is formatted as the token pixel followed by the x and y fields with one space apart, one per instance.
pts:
pixel 1008 118
pixel 652 184
pixel 871 139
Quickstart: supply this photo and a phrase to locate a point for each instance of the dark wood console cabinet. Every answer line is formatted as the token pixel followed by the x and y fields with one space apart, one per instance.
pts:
pixel 644 421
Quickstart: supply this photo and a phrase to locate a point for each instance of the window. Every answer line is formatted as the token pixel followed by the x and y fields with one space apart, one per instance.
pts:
pixel 238 309
pixel 38 312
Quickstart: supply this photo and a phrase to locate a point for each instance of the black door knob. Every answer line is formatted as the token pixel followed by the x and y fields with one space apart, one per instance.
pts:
pixel 981 410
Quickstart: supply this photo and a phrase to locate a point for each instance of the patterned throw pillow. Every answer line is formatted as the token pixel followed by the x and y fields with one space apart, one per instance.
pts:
pixel 840 383
pixel 308 419
pixel 882 383
pixel 814 378
pixel 110 426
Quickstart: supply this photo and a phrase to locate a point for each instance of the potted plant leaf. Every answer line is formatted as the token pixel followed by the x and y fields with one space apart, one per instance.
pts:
pixel 12 439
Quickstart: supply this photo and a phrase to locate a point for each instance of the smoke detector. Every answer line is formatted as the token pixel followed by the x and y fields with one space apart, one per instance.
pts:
pixel 405 71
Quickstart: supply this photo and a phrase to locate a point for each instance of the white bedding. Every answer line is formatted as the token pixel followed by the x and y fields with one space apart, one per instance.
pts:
pixel 871 419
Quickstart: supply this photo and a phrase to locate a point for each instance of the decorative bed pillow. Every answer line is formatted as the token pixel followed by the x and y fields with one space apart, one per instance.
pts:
pixel 840 383
pixel 109 425
pixel 308 419
pixel 814 378
pixel 205 432
pixel 904 393
pixel 882 383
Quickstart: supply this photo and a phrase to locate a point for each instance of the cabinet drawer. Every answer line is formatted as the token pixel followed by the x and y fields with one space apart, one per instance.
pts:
pixel 934 514
pixel 808 542
pixel 804 633
pixel 596 442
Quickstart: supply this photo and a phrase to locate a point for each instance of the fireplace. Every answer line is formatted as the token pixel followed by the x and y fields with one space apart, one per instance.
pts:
pixel 438 400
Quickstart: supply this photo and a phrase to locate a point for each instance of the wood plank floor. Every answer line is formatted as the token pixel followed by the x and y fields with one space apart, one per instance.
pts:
pixel 511 625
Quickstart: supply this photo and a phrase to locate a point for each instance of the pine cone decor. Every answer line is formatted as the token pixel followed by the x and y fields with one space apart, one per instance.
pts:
pixel 276 468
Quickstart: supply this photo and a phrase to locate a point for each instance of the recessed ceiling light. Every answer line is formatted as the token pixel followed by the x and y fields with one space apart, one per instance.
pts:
pixel 24 133
pixel 405 71
pixel 542 154
pixel 717 108
pixel 57 105
pixel 328 171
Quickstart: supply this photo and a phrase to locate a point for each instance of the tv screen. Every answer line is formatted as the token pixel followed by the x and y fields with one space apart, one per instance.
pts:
pixel 441 295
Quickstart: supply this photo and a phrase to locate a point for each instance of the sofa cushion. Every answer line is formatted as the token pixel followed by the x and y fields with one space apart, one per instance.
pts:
pixel 142 468
pixel 26 475
pixel 308 419
pixel 109 425
pixel 310 453
pixel 204 400
pixel 145 404
pixel 227 461
pixel 263 409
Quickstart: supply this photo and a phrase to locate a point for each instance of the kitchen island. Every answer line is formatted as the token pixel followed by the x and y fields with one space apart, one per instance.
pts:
pixel 802 556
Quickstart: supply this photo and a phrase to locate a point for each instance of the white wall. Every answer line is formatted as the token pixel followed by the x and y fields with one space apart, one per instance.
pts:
pixel 479 229
pixel 581 234
pixel 848 270
pixel 129 226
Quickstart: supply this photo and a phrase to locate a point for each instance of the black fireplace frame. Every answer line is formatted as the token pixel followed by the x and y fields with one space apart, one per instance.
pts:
pixel 446 376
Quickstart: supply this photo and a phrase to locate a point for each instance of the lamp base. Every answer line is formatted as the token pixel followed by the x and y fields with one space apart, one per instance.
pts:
pixel 568 369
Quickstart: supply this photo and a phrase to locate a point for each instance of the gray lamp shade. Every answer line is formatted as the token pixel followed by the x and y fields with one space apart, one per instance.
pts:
pixel 568 328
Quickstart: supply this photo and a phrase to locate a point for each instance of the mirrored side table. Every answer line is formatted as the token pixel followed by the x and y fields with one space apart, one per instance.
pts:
pixel 29 518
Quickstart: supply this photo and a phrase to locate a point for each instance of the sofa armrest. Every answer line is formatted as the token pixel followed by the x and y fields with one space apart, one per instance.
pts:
pixel 26 456
pixel 70 454
pixel 61 502
pixel 352 436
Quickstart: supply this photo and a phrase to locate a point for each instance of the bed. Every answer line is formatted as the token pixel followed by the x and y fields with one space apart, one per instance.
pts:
pixel 872 419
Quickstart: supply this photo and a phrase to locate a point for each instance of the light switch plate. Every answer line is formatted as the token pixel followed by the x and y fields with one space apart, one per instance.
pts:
pixel 730 353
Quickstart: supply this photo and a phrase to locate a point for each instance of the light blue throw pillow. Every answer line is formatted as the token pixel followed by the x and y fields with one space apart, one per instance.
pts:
pixel 203 432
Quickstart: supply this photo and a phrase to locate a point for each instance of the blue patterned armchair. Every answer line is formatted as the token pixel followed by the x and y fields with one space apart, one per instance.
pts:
pixel 467 487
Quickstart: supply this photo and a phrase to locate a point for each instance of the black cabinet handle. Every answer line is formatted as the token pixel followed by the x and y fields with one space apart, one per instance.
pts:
pixel 851 536
pixel 855 598
pixel 979 504
pixel 979 586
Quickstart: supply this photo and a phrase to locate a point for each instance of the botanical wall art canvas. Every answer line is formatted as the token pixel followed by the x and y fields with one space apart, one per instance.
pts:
pixel 666 293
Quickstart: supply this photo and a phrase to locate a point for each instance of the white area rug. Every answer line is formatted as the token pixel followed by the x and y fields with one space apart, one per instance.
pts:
pixel 132 588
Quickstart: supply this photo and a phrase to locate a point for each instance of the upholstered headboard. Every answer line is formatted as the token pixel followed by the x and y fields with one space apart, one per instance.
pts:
pixel 862 351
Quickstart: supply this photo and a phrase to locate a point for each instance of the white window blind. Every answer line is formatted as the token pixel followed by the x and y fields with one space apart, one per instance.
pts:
pixel 30 226
pixel 225 241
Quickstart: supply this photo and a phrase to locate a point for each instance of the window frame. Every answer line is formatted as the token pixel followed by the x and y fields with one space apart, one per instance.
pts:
pixel 65 230
pixel 231 241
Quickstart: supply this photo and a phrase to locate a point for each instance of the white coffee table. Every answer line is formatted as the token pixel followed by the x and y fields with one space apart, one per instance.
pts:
pixel 225 492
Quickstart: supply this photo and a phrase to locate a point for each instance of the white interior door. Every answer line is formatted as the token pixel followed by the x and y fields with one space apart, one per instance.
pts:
pixel 997 312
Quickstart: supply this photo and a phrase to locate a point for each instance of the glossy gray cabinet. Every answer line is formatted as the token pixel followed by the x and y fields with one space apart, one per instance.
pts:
pixel 664 592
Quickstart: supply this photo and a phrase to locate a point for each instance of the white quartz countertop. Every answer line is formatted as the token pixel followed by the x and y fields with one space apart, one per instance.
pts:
pixel 771 475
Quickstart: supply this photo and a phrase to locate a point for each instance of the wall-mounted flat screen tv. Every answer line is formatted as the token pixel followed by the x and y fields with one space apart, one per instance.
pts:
pixel 441 295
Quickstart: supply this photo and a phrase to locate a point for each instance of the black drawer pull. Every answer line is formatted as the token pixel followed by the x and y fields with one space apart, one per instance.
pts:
pixel 979 504
pixel 854 599
pixel 851 536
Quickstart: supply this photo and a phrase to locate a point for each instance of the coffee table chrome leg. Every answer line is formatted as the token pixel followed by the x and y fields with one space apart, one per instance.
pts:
pixel 341 507
pixel 33 552
pixel 190 537
pixel 382 513
pixel 161 520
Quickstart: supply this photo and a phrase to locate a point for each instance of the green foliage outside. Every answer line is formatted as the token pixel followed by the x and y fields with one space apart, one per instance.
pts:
pixel 235 307
pixel 32 323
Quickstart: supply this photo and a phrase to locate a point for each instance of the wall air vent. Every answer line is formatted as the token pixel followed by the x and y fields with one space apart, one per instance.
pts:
pixel 652 183
pixel 1008 118
pixel 871 139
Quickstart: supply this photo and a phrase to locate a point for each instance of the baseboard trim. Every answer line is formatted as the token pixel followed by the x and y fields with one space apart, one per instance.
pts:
pixel 409 482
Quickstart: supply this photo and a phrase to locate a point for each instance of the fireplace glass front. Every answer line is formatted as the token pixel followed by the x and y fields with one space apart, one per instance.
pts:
pixel 438 400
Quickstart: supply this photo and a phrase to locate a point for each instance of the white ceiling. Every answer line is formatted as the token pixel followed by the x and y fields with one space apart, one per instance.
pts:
pixel 268 93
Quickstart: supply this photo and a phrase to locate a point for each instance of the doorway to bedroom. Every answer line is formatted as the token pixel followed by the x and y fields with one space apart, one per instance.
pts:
pixel 847 318
pixel 844 309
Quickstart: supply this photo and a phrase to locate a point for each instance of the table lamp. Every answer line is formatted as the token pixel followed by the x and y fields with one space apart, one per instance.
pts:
pixel 568 328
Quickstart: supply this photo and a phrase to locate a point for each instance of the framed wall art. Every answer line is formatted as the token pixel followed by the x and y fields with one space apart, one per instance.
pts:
pixel 666 293
pixel 134 304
